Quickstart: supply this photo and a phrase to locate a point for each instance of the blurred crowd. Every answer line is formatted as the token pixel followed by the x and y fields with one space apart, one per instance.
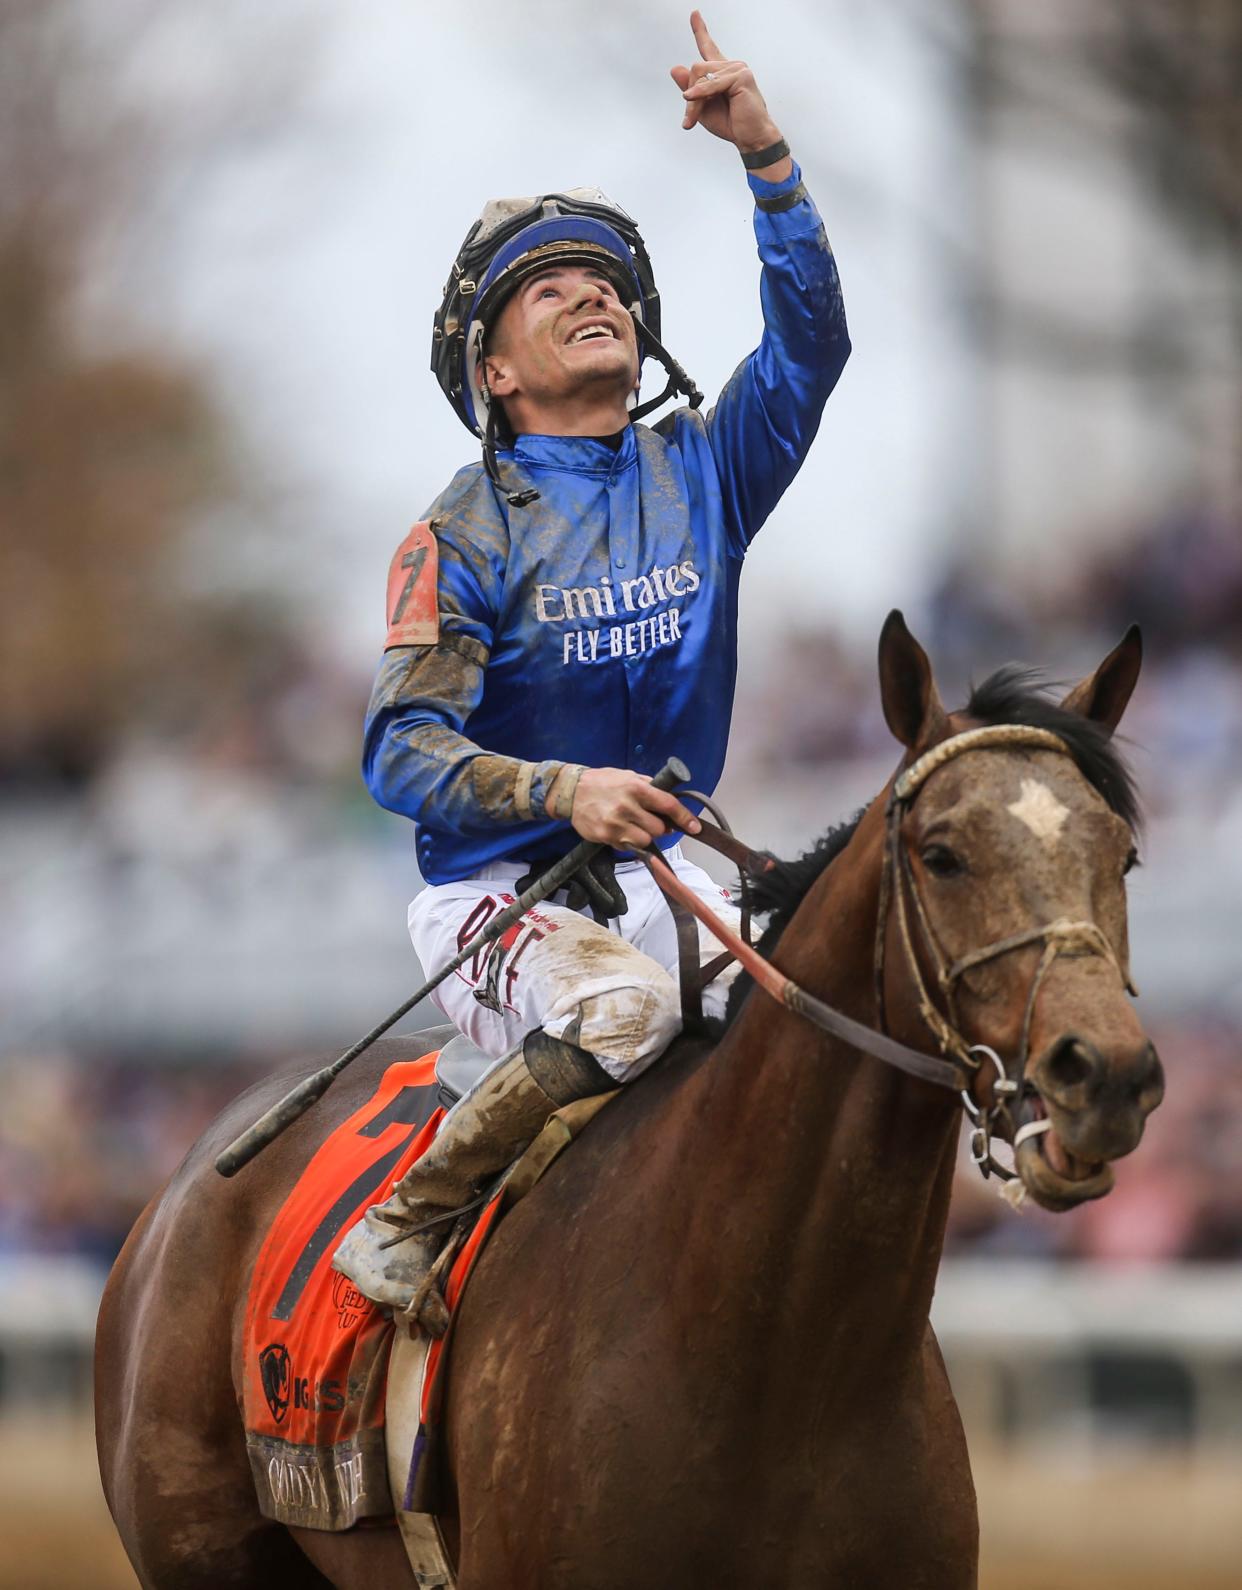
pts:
pixel 1180 580
pixel 84 1143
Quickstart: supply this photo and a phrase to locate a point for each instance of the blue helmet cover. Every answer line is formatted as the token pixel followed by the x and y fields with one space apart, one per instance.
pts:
pixel 558 229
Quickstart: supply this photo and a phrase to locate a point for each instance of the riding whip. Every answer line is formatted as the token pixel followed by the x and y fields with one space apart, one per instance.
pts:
pixel 299 1099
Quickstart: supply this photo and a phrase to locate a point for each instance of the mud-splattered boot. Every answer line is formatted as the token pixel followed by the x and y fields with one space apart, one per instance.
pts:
pixel 485 1130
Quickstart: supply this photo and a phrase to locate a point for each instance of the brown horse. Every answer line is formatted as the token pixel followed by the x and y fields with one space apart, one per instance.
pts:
pixel 699 1353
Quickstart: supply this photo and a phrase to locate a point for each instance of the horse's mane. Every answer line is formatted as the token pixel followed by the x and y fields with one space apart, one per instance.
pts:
pixel 1012 694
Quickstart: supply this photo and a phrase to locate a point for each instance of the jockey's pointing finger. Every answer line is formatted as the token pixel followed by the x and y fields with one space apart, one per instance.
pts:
pixel 708 48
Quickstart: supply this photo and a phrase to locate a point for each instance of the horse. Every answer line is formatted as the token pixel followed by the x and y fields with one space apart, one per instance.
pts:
pixel 699 1352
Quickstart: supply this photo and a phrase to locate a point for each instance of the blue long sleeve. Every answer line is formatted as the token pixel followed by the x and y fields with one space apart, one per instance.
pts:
pixel 767 416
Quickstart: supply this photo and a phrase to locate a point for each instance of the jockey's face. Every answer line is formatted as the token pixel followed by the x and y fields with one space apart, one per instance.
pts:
pixel 563 341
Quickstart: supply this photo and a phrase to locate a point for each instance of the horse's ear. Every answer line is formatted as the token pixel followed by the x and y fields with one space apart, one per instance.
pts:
pixel 1104 695
pixel 912 707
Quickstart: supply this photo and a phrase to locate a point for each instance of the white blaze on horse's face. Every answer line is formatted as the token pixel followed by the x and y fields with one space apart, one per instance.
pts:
pixel 1040 810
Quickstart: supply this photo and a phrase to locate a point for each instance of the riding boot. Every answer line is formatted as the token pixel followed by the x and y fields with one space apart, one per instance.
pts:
pixel 485 1131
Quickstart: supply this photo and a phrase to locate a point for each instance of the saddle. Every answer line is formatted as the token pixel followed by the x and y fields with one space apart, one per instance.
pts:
pixel 459 1065
pixel 316 1351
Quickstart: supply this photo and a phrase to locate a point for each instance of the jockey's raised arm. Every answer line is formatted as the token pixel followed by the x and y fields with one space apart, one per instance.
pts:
pixel 565 620
pixel 766 417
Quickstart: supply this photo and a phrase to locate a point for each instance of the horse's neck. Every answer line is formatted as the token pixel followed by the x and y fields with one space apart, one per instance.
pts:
pixel 830 1170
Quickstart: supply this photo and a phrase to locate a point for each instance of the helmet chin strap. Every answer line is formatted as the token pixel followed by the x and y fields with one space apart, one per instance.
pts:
pixel 515 499
pixel 678 380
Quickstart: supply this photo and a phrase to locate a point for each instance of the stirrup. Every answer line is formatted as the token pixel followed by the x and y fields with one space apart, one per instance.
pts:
pixel 427 1309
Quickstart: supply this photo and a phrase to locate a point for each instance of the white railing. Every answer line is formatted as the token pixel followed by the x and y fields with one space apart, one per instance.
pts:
pixel 1036 1352
pixel 1093 1359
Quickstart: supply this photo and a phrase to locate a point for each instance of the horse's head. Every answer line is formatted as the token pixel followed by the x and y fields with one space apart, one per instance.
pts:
pixel 1006 921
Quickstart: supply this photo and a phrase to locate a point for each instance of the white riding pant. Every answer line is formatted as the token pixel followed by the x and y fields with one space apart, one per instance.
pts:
pixel 613 990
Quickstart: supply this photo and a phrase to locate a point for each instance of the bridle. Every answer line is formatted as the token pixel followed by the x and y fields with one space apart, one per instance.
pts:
pixel 963 1062
pixel 1060 937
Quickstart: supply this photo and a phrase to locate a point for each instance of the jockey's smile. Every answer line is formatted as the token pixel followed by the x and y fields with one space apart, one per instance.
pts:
pixel 563 338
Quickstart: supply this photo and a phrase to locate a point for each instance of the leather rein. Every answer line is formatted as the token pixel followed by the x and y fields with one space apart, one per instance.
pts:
pixel 959 1063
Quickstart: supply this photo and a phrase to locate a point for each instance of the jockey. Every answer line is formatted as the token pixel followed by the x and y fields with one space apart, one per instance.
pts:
pixel 580 590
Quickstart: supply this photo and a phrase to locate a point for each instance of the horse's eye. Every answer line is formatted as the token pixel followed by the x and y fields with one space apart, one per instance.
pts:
pixel 941 862
pixel 1132 861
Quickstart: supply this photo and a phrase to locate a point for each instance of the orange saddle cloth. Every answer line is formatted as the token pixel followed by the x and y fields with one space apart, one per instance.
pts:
pixel 316 1350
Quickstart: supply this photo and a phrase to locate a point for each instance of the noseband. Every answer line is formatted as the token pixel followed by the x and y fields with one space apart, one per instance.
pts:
pixel 1061 937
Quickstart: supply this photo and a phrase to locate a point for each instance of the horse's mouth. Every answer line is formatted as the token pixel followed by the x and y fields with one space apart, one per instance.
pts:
pixel 1055 1178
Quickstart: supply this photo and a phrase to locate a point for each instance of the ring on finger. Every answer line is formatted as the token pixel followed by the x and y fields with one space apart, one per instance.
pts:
pixel 709 77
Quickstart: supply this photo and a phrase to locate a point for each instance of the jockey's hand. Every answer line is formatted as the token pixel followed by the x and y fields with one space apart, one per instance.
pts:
pixel 623 809
pixel 729 104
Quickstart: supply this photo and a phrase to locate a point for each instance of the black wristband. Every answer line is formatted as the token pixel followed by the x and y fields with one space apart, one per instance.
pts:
pixel 758 158
pixel 783 201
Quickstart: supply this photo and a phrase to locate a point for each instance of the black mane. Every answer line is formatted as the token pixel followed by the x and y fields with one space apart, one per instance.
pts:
pixel 782 890
pixel 1012 694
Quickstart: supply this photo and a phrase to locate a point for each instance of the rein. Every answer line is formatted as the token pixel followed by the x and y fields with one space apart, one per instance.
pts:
pixel 963 1061
pixel 945 1073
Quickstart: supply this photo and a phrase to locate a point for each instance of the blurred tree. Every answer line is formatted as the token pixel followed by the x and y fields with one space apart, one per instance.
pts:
pixel 1175 65
pixel 1180 61
pixel 108 445
pixel 1108 293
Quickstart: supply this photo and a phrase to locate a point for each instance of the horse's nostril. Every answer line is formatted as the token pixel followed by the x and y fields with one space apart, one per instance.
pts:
pixel 1070 1064
pixel 1150 1087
